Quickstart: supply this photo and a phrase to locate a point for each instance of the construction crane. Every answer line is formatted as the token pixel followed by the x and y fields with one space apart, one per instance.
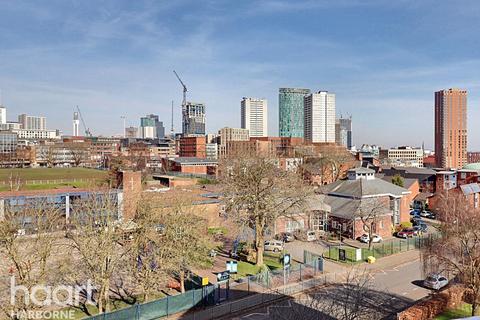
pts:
pixel 87 131
pixel 184 102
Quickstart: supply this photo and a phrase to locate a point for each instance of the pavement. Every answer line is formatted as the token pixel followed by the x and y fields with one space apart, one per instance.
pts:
pixel 394 286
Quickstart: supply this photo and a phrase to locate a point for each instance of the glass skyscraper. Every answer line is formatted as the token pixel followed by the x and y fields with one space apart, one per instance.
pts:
pixel 290 106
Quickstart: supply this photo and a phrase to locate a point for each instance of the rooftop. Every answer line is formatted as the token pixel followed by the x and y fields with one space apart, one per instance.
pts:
pixel 364 187
pixel 193 160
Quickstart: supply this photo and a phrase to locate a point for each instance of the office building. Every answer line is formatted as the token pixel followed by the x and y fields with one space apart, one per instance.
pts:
pixel 211 151
pixel 8 142
pixel 343 132
pixel 193 147
pixel 147 128
pixel 319 116
pixel 254 116
pixel 3 115
pixel 290 116
pixel 76 125
pixel 233 134
pixel 131 132
pixel 32 122
pixel 36 134
pixel 151 127
pixel 451 128
pixel 193 119
pixel 405 157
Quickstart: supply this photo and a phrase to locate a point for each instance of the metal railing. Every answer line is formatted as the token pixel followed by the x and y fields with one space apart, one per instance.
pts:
pixel 214 301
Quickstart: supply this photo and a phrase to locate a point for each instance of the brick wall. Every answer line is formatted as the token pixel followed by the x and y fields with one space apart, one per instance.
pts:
pixel 450 298
pixel 132 189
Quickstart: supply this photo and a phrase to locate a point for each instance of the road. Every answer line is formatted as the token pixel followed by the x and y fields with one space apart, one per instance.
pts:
pixel 392 289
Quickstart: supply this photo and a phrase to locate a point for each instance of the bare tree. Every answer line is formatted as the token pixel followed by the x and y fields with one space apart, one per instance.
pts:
pixel 78 152
pixel 50 155
pixel 370 212
pixel 352 299
pixel 257 192
pixel 330 164
pixel 98 240
pixel 14 182
pixel 27 243
pixel 185 242
pixel 457 251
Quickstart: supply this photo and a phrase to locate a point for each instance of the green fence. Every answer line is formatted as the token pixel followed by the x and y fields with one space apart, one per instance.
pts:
pixel 199 299
pixel 378 250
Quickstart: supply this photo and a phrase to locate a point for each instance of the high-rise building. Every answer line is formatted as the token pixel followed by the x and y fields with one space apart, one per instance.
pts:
pixel 151 127
pixel 254 114
pixel 290 116
pixel 32 122
pixel 147 128
pixel 343 132
pixel 193 119
pixel 451 128
pixel 131 132
pixel 319 115
pixel 3 115
pixel 76 125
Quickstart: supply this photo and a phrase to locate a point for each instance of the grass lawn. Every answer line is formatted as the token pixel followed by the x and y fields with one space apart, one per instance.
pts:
pixel 52 173
pixel 462 312
pixel 272 260
pixel 47 186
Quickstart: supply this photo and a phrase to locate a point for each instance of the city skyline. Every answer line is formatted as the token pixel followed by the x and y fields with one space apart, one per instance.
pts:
pixel 71 63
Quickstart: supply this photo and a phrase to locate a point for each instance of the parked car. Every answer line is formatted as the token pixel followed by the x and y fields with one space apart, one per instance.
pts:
pixel 426 214
pixel 273 245
pixel 414 212
pixel 407 233
pixel 415 219
pixel 305 235
pixel 365 238
pixel 421 226
pixel 285 237
pixel 435 281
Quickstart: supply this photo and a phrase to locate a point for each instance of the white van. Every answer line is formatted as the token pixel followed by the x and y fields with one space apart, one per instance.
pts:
pixel 306 235
pixel 273 245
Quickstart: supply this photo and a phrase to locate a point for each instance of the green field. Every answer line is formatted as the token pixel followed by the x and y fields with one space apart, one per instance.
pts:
pixel 52 173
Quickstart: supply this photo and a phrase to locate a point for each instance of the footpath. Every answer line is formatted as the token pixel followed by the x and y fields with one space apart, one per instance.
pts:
pixel 333 271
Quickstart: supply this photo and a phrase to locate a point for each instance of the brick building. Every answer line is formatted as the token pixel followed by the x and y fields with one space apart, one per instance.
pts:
pixel 451 128
pixel 193 147
pixel 361 193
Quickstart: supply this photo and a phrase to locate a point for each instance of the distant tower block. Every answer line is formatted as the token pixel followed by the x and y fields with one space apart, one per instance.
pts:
pixel 76 125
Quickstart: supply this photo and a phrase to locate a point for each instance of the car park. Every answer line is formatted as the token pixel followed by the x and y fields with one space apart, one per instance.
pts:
pixel 435 281
pixel 365 238
pixel 407 233
pixel 273 245
pixel 285 237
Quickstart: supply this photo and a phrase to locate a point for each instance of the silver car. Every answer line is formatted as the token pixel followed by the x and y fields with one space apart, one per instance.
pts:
pixel 273 245
pixel 435 281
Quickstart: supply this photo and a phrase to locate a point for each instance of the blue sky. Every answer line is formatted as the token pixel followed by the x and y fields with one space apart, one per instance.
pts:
pixel 383 59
